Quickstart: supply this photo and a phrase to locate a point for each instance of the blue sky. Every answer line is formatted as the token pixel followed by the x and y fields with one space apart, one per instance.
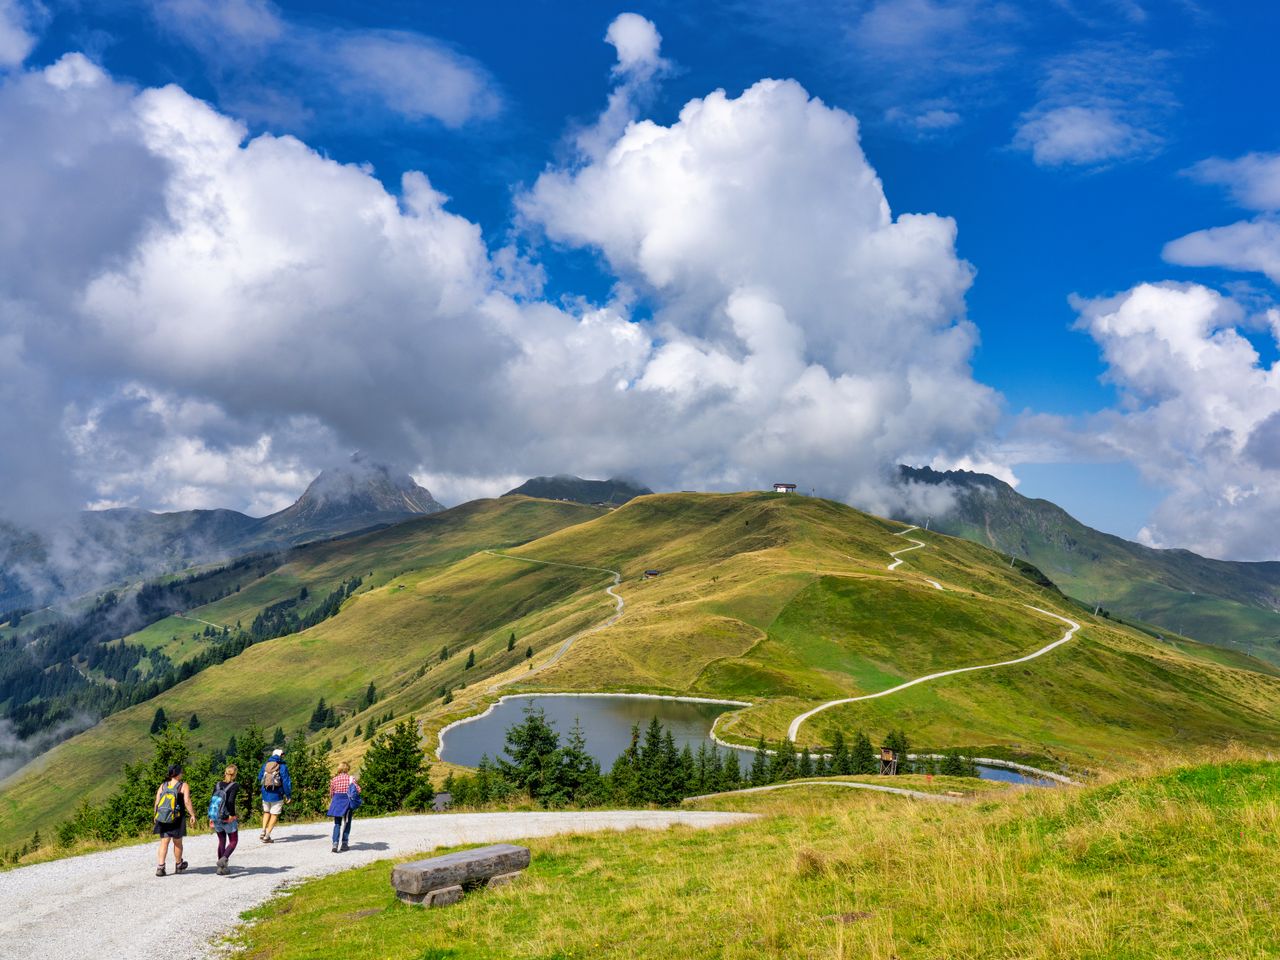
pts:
pixel 1066 140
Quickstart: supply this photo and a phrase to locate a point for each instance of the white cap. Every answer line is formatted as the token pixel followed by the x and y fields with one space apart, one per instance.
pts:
pixel 278 752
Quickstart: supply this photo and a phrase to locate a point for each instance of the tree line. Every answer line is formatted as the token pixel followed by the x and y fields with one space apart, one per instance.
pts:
pixel 393 777
pixel 653 770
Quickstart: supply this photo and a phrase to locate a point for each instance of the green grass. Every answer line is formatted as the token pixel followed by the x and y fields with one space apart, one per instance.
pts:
pixel 782 601
pixel 1176 865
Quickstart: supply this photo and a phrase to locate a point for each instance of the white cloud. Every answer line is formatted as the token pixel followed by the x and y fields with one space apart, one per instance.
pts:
pixel 16 38
pixel 637 42
pixel 1249 245
pixel 1081 136
pixel 1197 415
pixel 1253 180
pixel 276 69
pixel 1099 103
pixel 801 325
pixel 228 312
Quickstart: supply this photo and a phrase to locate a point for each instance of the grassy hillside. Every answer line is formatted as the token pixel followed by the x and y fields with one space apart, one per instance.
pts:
pixel 780 600
pixel 379 636
pixel 1180 863
pixel 1229 604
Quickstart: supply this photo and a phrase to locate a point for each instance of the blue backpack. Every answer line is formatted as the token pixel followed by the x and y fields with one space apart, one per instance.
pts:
pixel 354 796
pixel 217 801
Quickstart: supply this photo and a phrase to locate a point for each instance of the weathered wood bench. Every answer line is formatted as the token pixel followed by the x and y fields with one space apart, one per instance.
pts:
pixel 440 881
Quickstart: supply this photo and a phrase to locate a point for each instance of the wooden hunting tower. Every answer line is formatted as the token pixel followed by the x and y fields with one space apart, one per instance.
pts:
pixel 888 762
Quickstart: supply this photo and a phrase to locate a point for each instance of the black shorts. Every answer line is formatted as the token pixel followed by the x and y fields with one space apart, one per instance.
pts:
pixel 178 828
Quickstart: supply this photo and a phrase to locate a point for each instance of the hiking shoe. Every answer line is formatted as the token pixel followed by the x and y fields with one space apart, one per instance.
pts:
pixel 335 848
pixel 160 871
pixel 343 849
pixel 267 840
pixel 223 869
pixel 180 866
pixel 222 863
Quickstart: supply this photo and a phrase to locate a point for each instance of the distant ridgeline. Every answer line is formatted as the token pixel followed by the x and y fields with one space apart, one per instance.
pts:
pixel 613 492
pixel 100 548
pixel 54 670
pixel 1221 602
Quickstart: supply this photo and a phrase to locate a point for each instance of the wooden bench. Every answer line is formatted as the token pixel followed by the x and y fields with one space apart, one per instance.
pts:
pixel 440 881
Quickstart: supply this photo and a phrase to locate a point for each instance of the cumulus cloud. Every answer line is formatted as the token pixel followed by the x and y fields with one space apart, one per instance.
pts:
pixel 1198 414
pixel 1247 245
pixel 230 311
pixel 276 69
pixel 16 36
pixel 1099 103
pixel 801 325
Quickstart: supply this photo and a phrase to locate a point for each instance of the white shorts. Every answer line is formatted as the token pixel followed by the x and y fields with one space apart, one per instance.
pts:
pixel 272 807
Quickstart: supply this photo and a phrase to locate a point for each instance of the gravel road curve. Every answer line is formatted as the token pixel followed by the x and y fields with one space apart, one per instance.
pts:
pixel 112 905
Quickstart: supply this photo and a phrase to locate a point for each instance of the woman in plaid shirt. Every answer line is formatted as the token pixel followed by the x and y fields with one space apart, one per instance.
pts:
pixel 343 790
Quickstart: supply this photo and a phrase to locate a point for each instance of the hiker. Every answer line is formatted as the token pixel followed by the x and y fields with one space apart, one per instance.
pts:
pixel 222 816
pixel 173 807
pixel 344 797
pixel 277 790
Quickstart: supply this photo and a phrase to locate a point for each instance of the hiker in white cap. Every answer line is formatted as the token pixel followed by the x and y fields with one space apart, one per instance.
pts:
pixel 277 790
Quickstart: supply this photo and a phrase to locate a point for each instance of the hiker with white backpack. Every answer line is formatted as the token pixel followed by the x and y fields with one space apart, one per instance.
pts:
pixel 172 808
pixel 344 798
pixel 277 790
pixel 222 816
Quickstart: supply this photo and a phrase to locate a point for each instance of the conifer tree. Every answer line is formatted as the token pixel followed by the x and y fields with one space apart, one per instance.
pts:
pixel 532 753
pixel 528 653
pixel 782 765
pixel 897 741
pixel 159 721
pixel 578 773
pixel 193 723
pixel 865 758
pixel 760 764
pixel 394 776
pixel 471 660
pixel 840 761
pixel 511 642
pixel 624 777
pixel 370 697
pixel 805 767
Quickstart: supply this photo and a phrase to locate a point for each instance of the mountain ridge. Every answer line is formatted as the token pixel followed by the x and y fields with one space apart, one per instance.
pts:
pixel 1224 602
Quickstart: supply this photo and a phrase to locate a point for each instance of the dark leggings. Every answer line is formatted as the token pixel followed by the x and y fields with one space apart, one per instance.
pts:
pixel 227 843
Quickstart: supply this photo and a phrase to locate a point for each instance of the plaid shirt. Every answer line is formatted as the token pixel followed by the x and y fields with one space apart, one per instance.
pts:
pixel 340 783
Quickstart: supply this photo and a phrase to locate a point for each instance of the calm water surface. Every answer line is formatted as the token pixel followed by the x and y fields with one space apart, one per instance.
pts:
pixel 607 721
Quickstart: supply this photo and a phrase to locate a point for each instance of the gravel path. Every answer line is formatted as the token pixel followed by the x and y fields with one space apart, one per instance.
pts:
pixel 618 605
pixel 851 784
pixel 793 731
pixel 112 904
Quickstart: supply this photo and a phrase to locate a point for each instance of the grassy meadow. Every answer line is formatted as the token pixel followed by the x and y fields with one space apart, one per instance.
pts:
pixel 1177 861
pixel 782 601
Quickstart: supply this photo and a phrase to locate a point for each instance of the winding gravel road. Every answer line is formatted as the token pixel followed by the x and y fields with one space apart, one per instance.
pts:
pixel 793 731
pixel 618 605
pixel 112 905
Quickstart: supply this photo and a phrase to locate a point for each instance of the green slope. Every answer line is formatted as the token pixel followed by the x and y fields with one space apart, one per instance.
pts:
pixel 780 600
pixel 1222 602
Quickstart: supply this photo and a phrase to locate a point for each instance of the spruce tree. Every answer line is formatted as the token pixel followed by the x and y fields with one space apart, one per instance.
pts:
pixel 511 642
pixel 394 776
pixel 471 660
pixel 532 752
pixel 897 741
pixel 578 773
pixel 782 765
pixel 370 697
pixel 760 764
pixel 840 761
pixel 865 758
pixel 624 777
pixel 159 721
pixel 528 654
pixel 805 767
